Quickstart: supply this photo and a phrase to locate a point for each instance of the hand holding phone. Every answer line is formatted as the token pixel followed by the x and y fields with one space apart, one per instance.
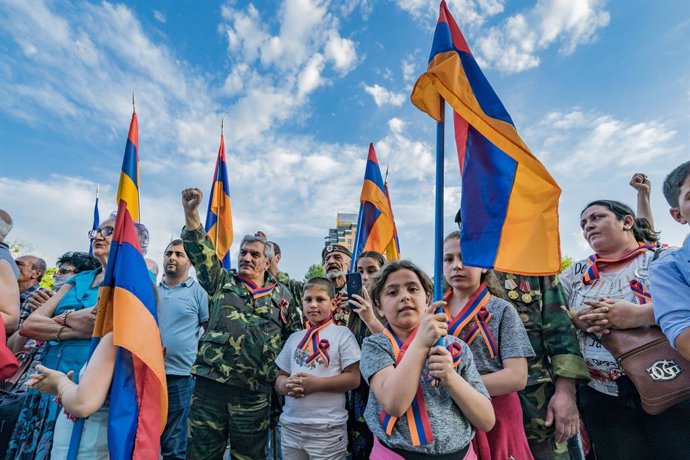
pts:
pixel 354 285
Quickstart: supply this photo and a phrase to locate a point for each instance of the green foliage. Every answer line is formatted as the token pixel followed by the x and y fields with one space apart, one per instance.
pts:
pixel 47 280
pixel 19 248
pixel 314 270
pixel 566 262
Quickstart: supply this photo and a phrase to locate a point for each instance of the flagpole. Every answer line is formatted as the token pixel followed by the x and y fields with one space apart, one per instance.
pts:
pixel 438 231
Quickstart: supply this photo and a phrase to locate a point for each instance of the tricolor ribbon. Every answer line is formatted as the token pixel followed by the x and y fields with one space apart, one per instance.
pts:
pixel 417 415
pixel 596 263
pixel 256 291
pixel 642 294
pixel 313 346
pixel 474 311
pixel 283 311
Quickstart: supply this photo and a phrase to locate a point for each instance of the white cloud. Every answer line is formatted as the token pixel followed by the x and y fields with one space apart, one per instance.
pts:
pixel 514 45
pixel 582 141
pixel 383 96
pixel 409 70
pixel 474 12
pixel 159 16
pixel 342 52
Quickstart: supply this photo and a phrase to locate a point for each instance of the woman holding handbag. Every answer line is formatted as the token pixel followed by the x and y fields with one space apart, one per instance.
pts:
pixel 609 291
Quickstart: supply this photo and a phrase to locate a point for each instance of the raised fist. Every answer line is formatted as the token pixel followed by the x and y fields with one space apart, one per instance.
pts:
pixel 641 183
pixel 191 198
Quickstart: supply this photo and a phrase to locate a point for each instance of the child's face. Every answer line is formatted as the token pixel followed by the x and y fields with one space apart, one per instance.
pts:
pixel 456 274
pixel 403 299
pixel 682 213
pixel 317 305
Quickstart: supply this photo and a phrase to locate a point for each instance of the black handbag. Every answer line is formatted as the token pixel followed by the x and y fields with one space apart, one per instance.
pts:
pixel 10 407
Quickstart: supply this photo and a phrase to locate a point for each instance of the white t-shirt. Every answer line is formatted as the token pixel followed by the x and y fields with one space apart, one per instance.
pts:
pixel 603 367
pixel 318 407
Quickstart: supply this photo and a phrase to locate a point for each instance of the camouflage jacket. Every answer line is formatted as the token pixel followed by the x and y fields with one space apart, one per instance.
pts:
pixel 296 288
pixel 542 307
pixel 244 334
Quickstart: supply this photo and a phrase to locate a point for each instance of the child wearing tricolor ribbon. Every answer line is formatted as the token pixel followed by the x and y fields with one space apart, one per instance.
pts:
pixel 425 400
pixel 317 366
pixel 494 332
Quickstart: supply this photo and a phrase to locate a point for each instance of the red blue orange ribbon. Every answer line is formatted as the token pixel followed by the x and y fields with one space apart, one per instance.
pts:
pixel 256 291
pixel 595 263
pixel 313 346
pixel 642 294
pixel 474 311
pixel 417 415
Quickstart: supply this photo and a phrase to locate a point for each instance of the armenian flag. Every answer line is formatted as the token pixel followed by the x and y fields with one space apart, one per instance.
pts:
pixel 128 188
pixel 376 229
pixel 138 397
pixel 509 204
pixel 219 215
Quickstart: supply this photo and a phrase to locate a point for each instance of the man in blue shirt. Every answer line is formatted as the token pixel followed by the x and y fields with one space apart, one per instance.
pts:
pixel 670 275
pixel 182 313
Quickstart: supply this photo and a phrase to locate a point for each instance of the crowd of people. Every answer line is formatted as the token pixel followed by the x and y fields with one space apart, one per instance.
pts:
pixel 261 365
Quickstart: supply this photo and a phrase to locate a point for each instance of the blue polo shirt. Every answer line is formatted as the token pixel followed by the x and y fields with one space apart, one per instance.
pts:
pixel 181 310
pixel 669 278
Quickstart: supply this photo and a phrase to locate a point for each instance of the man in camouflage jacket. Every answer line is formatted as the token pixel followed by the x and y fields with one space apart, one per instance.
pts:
pixel 548 401
pixel 250 318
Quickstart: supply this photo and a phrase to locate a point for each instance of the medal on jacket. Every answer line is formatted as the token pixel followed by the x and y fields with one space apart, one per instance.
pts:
pixel 526 289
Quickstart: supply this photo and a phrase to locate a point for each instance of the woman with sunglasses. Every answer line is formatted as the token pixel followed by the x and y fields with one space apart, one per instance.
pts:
pixel 65 322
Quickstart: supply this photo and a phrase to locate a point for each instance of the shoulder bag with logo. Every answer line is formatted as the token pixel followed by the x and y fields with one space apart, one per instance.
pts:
pixel 660 374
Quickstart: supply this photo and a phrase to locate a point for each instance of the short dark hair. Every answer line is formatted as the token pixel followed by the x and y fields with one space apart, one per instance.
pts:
pixel 674 182
pixel 81 261
pixel 642 230
pixel 276 248
pixel 319 282
pixel 377 256
pixel 379 280
pixel 176 242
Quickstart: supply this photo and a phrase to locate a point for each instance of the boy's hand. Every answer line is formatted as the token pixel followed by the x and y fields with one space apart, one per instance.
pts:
pixel 433 325
pixel 294 388
pixel 440 363
pixel 309 383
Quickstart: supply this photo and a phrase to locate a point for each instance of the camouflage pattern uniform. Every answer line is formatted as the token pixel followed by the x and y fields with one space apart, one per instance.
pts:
pixel 541 305
pixel 235 366
pixel 295 287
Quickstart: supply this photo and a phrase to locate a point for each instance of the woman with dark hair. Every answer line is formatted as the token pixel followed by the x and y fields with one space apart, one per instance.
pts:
pixel 607 291
pixel 363 324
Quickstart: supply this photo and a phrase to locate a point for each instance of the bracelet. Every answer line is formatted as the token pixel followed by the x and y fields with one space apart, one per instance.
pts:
pixel 57 338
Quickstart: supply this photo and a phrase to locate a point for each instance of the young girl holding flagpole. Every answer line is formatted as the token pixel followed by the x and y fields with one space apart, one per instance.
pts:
pixel 425 400
pixel 494 332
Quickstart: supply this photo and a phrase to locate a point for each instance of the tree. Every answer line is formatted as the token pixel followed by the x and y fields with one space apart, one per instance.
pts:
pixel 47 280
pixel 314 270
pixel 566 262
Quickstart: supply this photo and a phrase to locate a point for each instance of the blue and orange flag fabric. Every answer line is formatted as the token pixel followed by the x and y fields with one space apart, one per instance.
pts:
pixel 376 229
pixel 219 215
pixel 128 188
pixel 96 220
pixel 509 204
pixel 138 398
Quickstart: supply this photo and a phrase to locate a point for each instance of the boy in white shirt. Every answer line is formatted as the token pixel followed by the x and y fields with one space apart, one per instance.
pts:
pixel 317 366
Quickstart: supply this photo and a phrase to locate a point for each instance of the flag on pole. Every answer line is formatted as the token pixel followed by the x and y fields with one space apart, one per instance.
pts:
pixel 128 188
pixel 219 215
pixel 96 220
pixel 509 204
pixel 138 396
pixel 376 227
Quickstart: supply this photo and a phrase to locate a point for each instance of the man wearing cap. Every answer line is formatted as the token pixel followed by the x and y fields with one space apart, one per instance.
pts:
pixel 250 318
pixel 336 260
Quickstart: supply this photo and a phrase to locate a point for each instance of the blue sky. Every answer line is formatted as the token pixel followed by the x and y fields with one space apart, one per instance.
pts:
pixel 598 90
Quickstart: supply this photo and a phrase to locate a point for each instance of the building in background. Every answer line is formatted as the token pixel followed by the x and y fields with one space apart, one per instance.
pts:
pixel 344 231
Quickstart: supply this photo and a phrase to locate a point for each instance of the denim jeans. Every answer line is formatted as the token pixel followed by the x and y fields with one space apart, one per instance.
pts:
pixel 174 438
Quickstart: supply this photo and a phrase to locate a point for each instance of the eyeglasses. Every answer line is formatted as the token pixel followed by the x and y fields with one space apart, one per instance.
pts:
pixel 104 231
pixel 65 271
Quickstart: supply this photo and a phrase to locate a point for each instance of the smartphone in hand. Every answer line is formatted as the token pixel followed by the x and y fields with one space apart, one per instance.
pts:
pixel 354 285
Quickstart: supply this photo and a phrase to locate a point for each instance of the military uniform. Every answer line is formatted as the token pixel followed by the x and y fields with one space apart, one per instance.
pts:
pixel 235 365
pixel 295 287
pixel 541 304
